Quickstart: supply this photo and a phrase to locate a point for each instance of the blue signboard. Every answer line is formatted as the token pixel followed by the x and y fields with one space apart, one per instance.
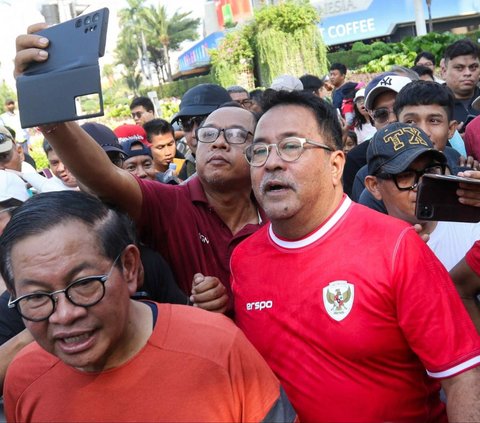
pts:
pixel 197 55
pixel 346 21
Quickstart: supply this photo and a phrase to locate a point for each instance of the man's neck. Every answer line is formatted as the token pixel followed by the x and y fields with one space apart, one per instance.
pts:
pixel 235 206
pixel 299 226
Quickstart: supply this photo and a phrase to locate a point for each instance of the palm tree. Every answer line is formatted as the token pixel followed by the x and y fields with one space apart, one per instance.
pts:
pixel 164 34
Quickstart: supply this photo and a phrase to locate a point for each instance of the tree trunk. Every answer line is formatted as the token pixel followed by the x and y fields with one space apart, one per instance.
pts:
pixel 167 61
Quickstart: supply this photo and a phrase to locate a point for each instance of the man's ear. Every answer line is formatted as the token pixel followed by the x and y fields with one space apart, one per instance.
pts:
pixel 337 162
pixel 20 151
pixel 452 126
pixel 132 268
pixel 371 183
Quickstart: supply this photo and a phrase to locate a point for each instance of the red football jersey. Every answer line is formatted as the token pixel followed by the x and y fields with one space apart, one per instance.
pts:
pixel 357 319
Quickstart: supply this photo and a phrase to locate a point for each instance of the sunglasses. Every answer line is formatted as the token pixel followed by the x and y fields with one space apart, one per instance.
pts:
pixel 188 123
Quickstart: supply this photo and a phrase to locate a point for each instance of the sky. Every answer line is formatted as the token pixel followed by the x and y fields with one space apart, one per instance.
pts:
pixel 17 15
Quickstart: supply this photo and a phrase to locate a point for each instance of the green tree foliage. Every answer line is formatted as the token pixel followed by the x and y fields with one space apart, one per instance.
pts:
pixel 148 33
pixel 233 57
pixel 380 56
pixel 288 41
pixel 5 93
pixel 281 39
pixel 163 34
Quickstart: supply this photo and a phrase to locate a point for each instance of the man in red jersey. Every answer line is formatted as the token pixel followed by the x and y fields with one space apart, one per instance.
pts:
pixel 348 306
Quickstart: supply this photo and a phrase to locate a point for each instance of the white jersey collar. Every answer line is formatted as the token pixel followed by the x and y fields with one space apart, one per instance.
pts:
pixel 314 236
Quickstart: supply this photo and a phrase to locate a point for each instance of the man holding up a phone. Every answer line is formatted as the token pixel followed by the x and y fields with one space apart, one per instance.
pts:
pixel 398 156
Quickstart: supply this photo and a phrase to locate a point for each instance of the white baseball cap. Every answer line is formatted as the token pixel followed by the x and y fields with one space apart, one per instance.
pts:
pixel 382 83
pixel 12 186
pixel 286 83
pixel 360 93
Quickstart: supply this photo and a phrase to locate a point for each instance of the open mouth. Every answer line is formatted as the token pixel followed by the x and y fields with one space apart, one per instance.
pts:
pixel 275 186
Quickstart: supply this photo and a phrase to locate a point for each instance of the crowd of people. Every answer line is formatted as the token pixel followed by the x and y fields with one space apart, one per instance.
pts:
pixel 257 258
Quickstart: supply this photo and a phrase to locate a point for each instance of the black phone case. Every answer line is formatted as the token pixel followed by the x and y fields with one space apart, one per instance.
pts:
pixel 437 200
pixel 48 92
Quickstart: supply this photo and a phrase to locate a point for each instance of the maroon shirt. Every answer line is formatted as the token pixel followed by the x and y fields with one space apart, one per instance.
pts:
pixel 178 222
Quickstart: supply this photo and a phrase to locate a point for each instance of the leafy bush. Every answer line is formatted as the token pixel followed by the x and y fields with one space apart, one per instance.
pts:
pixel 178 88
pixel 349 58
pixel 37 153
pixel 289 17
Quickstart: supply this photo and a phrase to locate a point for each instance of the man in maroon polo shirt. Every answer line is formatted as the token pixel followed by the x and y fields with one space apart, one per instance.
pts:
pixel 195 226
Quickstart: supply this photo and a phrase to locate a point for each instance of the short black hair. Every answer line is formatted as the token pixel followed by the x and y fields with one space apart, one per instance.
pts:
pixel 463 47
pixel 423 70
pixel 142 101
pixel 46 146
pixel 325 114
pixel 311 82
pixel 158 127
pixel 425 93
pixel 256 95
pixel 340 67
pixel 427 55
pixel 42 212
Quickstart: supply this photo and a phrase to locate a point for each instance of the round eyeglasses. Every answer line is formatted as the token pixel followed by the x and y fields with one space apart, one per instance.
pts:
pixel 209 134
pixel 84 292
pixel 289 149
pixel 408 179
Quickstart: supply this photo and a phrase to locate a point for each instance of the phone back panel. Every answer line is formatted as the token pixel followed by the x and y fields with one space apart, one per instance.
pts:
pixel 437 200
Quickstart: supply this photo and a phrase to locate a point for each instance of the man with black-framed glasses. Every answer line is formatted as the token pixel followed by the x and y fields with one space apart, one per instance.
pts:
pixel 100 355
pixel 343 302
pixel 197 103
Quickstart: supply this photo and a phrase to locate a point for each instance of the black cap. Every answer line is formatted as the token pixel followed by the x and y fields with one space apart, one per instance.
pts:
pixel 202 100
pixel 394 147
pixel 104 136
pixel 142 151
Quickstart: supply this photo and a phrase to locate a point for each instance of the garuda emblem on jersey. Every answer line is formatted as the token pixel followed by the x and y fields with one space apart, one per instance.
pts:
pixel 338 299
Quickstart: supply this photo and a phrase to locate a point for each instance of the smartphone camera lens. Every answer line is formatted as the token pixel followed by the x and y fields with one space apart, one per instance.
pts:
pixel 88 20
pixel 78 23
pixel 96 17
pixel 426 212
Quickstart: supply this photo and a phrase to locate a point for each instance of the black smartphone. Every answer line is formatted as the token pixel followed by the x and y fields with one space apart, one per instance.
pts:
pixel 67 85
pixel 437 199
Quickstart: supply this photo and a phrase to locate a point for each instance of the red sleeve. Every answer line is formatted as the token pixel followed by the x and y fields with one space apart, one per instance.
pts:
pixel 472 138
pixel 430 311
pixel 473 257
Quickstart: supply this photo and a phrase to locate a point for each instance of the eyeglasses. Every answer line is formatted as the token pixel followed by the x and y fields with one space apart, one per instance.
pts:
pixel 85 292
pixel 289 149
pixel 408 179
pixel 137 115
pixel 382 114
pixel 187 123
pixel 209 134
pixel 246 102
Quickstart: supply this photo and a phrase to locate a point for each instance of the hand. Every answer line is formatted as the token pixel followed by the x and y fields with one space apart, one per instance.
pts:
pixel 468 193
pixel 469 162
pixel 419 230
pixel 30 48
pixel 209 293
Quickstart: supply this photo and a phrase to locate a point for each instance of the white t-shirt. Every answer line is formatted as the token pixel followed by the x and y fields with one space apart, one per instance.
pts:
pixel 450 241
pixel 367 132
